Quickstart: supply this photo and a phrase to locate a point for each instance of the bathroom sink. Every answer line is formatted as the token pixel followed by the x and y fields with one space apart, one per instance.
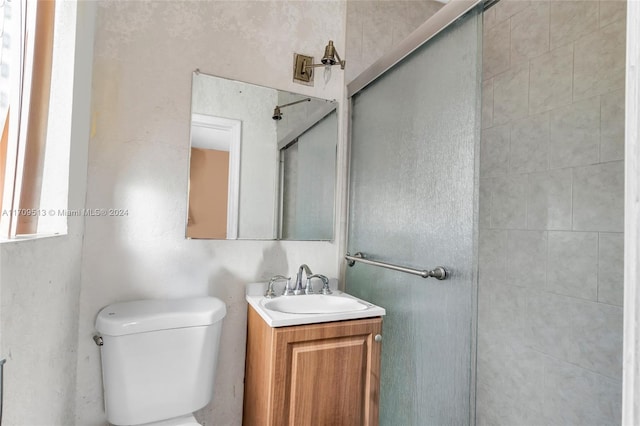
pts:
pixel 284 311
pixel 314 304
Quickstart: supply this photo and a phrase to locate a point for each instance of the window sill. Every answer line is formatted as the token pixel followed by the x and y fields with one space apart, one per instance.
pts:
pixel 30 237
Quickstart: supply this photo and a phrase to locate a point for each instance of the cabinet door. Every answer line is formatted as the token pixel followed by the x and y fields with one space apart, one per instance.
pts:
pixel 328 374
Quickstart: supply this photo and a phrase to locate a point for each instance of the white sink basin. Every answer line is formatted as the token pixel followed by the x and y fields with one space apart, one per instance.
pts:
pixel 283 311
pixel 314 304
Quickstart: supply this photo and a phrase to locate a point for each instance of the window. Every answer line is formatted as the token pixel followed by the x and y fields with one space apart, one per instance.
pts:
pixel 35 115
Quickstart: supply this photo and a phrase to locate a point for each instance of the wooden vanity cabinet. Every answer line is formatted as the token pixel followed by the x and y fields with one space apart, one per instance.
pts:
pixel 317 374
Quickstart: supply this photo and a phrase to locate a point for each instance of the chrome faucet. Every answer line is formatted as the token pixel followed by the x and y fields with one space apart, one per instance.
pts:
pixel 298 289
pixel 325 284
pixel 270 293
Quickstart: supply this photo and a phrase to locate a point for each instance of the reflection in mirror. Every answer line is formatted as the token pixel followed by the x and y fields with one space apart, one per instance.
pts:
pixel 308 169
pixel 263 163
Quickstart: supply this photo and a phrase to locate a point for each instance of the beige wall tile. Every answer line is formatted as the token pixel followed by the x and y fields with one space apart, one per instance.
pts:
pixel 504 365
pixel 507 8
pixel 598 197
pixel 612 11
pixel 498 407
pixel 495 52
pixel 549 200
pixel 529 144
pixel 494 151
pixel 585 334
pixel 502 307
pixel 489 19
pixel 573 264
pixel 572 19
pixel 511 94
pixel 576 396
pixel 526 257
pixel 551 80
pixel 572 119
pixel 409 15
pixel 508 202
pixel 599 62
pixel 530 32
pixel 611 268
pixel 612 126
pixel 574 134
pixel 492 255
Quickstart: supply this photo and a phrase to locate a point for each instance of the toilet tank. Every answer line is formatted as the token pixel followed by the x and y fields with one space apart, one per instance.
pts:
pixel 159 357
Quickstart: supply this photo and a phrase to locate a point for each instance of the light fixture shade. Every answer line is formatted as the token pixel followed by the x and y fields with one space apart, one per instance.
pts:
pixel 303 70
pixel 329 57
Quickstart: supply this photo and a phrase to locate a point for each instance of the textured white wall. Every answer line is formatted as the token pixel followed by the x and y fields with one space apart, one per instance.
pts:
pixel 375 27
pixel 145 53
pixel 40 282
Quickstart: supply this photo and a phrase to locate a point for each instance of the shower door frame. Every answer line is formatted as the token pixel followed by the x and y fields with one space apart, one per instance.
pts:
pixel 631 333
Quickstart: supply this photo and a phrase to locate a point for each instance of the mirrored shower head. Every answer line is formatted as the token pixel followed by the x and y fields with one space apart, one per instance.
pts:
pixel 277 114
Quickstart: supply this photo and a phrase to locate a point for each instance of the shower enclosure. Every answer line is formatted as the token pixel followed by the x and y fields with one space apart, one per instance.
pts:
pixel 413 201
pixel 495 149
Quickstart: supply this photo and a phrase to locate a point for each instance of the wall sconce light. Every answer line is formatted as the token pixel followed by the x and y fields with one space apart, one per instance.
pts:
pixel 330 57
pixel 303 65
pixel 277 115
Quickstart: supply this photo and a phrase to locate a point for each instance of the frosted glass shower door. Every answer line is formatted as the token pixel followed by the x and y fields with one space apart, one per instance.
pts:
pixel 413 202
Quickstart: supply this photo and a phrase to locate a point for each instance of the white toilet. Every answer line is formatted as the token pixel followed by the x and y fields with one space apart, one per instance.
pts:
pixel 159 359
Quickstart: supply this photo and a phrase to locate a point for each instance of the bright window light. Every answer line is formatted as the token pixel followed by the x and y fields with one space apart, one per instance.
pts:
pixel 36 86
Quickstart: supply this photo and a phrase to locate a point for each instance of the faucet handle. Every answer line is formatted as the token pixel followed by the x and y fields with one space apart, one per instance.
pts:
pixel 308 288
pixel 270 293
pixel 288 291
pixel 325 284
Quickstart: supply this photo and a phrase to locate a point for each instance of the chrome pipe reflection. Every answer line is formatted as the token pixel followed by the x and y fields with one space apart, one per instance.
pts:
pixel 277 114
pixel 438 272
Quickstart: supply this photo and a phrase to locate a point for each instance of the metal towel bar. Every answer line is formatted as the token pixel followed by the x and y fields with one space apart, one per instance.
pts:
pixel 438 272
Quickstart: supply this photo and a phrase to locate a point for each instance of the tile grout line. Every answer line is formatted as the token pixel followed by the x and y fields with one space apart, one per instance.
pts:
pixel 598 269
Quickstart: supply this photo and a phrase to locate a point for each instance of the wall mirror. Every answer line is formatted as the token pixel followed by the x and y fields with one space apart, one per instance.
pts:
pixel 262 163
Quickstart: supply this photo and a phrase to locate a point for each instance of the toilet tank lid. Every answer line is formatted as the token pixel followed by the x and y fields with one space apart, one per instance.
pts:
pixel 141 316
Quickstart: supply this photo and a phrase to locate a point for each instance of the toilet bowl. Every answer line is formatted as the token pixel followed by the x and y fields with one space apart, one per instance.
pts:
pixel 159 359
pixel 176 421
